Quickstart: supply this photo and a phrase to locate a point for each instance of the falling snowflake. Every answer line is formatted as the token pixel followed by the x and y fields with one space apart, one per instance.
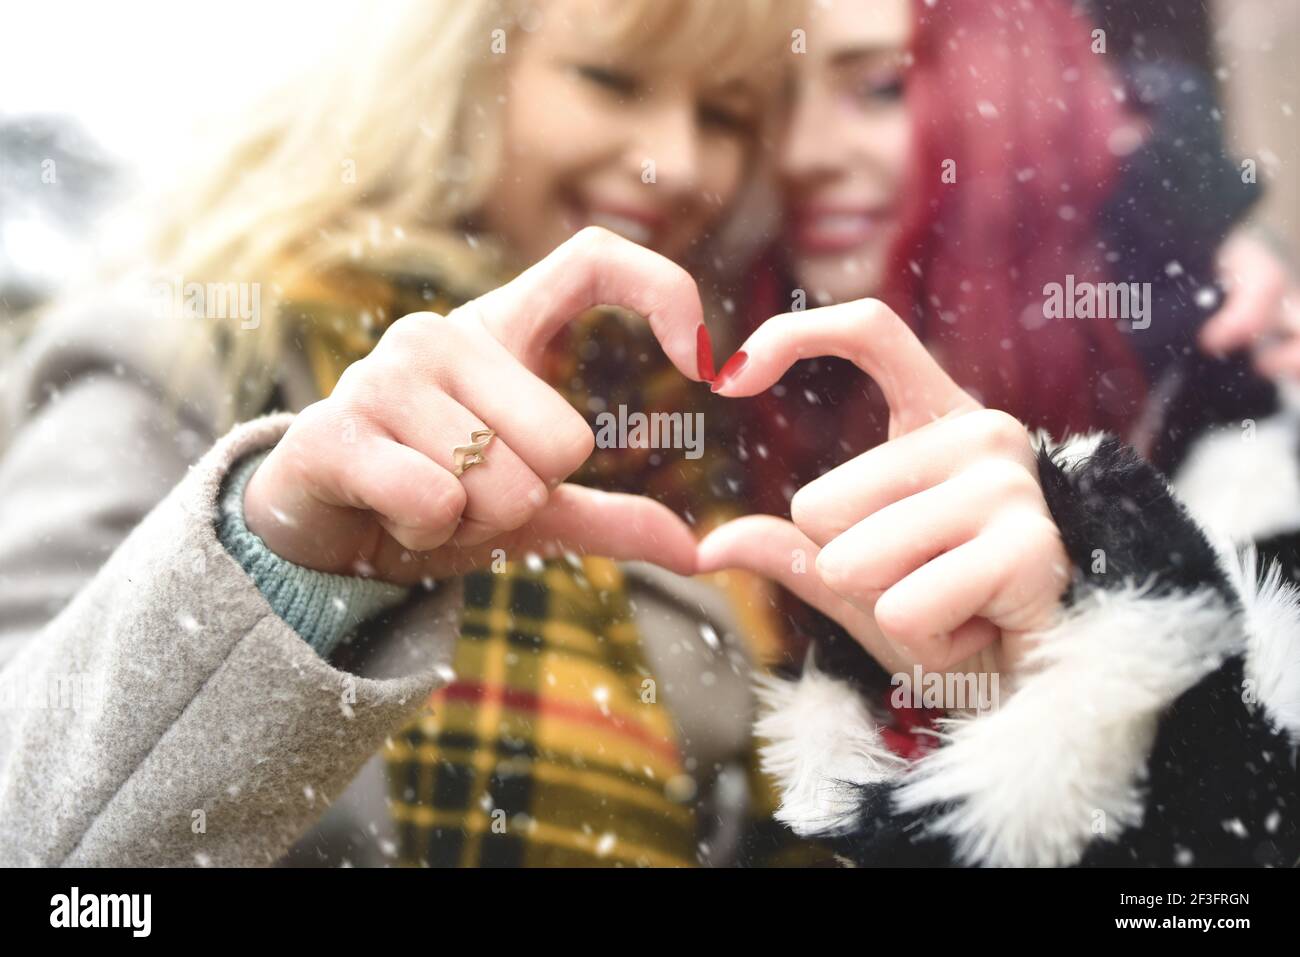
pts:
pixel 1236 828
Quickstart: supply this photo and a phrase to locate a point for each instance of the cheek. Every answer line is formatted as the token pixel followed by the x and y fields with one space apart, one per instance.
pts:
pixel 537 136
pixel 832 279
pixel 541 149
pixel 549 147
pixel 897 147
pixel 722 166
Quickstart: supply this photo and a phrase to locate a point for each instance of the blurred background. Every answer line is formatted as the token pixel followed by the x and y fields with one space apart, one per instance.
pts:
pixel 97 99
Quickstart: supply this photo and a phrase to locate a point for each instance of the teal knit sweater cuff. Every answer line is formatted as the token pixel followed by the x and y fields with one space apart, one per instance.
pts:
pixel 320 607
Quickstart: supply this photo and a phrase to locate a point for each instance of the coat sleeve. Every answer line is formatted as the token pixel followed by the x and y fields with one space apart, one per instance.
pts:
pixel 1155 723
pixel 153 708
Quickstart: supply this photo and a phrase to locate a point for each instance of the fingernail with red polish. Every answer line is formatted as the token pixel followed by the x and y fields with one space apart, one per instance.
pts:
pixel 730 370
pixel 704 353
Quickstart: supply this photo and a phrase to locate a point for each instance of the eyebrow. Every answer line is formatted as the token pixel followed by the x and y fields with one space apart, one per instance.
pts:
pixel 734 87
pixel 851 56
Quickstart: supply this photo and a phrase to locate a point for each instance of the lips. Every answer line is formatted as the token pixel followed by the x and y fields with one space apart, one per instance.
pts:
pixel 625 226
pixel 833 230
pixel 642 226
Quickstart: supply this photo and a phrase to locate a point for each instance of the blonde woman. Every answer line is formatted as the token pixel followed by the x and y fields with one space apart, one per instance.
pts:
pixel 246 617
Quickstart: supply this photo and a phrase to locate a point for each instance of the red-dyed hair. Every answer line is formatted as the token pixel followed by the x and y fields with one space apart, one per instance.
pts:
pixel 1011 93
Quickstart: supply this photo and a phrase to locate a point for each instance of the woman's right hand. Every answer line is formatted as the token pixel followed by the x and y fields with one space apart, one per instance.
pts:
pixel 930 547
pixel 362 483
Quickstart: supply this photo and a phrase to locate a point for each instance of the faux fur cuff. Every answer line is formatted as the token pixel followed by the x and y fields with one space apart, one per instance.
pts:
pixel 1242 481
pixel 1063 760
pixel 823 747
pixel 1155 609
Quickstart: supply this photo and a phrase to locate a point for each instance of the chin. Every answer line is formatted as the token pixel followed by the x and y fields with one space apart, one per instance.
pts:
pixel 829 279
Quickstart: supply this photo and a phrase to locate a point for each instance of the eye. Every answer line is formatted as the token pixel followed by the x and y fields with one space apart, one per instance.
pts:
pixel 621 84
pixel 884 89
pixel 726 119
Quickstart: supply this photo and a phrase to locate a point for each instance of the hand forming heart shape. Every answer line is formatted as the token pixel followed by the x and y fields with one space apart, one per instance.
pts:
pixel 364 480
pixel 926 548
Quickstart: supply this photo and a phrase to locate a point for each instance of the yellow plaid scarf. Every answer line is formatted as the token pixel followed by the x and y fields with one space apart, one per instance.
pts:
pixel 549 747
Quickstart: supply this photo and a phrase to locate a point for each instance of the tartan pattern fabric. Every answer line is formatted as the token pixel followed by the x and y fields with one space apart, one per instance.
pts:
pixel 549 747
pixel 546 749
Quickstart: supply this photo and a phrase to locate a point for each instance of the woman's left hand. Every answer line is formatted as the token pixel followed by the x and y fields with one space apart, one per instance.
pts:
pixel 928 548
pixel 1262 308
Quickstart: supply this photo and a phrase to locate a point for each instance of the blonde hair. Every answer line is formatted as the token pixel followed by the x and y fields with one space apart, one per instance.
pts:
pixel 400 136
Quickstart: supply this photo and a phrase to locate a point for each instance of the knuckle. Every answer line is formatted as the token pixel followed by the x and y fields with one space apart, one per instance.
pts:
pixel 1038 547
pixel 594 240
pixel 1001 426
pixel 1003 479
pixel 870 318
pixel 361 401
pixel 311 417
pixel 415 340
pixel 898 622
pixel 1041 534
pixel 412 328
pixel 871 315
pixel 354 380
pixel 807 510
pixel 313 452
pixel 334 423
pixel 521 503
pixel 364 383
pixel 835 569
pixel 575 445
pixel 443 507
pixel 999 432
pixel 570 444
pixel 677 278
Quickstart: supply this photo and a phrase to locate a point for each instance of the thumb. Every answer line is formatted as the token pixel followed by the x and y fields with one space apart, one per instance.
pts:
pixel 611 525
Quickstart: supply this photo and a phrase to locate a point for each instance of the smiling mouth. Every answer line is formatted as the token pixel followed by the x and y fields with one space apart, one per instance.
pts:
pixel 836 230
pixel 629 228
pixel 642 228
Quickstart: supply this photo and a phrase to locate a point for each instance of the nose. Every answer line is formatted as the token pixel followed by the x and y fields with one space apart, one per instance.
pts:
pixel 671 141
pixel 812 145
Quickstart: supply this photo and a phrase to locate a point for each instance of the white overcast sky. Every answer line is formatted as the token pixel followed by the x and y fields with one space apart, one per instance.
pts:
pixel 135 70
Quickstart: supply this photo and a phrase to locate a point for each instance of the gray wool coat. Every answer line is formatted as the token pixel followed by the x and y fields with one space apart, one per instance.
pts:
pixel 153 708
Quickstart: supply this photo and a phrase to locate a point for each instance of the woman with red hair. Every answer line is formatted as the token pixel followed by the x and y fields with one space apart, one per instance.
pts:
pixel 1044 226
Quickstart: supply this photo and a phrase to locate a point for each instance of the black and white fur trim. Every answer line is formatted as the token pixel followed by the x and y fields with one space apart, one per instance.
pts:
pixel 1271 621
pixel 1025 784
pixel 822 746
pixel 1243 482
pixel 1064 759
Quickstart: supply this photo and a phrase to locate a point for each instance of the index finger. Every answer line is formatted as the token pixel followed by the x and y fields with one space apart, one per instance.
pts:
pixel 871 336
pixel 599 268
